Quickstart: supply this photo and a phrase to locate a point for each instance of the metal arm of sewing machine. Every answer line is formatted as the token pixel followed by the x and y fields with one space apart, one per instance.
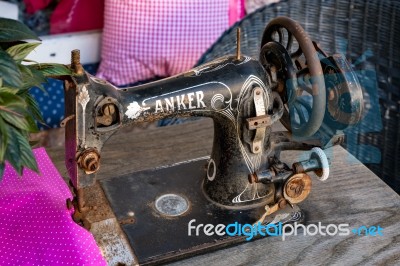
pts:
pixel 244 97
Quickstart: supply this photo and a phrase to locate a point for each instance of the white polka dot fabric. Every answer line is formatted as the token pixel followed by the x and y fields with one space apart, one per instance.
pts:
pixel 51 103
pixel 36 227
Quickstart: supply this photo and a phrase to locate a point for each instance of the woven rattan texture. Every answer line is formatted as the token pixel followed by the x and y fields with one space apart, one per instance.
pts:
pixel 368 34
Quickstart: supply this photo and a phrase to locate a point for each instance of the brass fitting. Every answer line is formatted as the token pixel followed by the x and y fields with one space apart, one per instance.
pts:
pixel 89 160
pixel 76 66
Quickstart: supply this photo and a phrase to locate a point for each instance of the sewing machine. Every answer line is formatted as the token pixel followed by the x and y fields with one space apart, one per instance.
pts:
pixel 315 96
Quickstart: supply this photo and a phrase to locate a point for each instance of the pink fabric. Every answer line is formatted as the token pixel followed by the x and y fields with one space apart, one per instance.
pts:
pixel 34 5
pixel 236 10
pixel 36 228
pixel 77 15
pixel 149 38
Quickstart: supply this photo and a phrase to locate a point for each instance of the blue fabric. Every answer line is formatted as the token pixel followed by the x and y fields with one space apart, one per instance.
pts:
pixel 51 104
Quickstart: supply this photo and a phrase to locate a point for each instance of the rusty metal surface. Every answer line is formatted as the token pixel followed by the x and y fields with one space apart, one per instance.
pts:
pixel 106 229
pixel 70 131
pixel 114 248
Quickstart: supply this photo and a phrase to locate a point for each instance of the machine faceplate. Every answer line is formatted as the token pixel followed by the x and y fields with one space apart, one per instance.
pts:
pixel 157 238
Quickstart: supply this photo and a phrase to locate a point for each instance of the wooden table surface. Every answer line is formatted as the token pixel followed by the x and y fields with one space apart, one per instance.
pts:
pixel 352 195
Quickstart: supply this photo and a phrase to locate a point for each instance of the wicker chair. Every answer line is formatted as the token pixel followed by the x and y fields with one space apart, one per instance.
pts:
pixel 368 34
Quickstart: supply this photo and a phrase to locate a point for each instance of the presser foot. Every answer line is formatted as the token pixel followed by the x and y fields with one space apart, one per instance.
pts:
pixel 163 213
pixel 269 210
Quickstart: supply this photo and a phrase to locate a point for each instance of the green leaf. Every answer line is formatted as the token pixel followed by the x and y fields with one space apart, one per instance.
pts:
pixel 33 128
pixel 53 70
pixel 13 109
pixel 33 143
pixel 39 77
pixel 8 90
pixel 9 71
pixel 19 153
pixel 13 153
pixel 30 61
pixel 26 155
pixel 6 45
pixel 11 102
pixel 3 140
pixel 2 166
pixel 31 78
pixel 33 108
pixel 20 51
pixel 13 30
pixel 18 121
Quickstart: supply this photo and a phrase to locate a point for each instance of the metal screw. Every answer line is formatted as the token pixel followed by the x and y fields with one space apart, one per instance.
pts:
pixel 238 44
pixel 75 57
pixel 76 62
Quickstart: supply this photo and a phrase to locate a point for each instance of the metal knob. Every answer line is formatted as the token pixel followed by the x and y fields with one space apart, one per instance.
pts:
pixel 318 163
pixel 89 161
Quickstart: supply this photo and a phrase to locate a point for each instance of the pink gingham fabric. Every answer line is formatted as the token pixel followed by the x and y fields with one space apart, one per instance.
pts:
pixel 36 227
pixel 143 39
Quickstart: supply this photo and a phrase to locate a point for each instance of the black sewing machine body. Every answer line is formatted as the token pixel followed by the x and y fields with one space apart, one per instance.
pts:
pixel 244 179
pixel 222 90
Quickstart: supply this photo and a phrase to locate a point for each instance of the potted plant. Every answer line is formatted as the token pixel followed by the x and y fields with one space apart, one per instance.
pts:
pixel 19 112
